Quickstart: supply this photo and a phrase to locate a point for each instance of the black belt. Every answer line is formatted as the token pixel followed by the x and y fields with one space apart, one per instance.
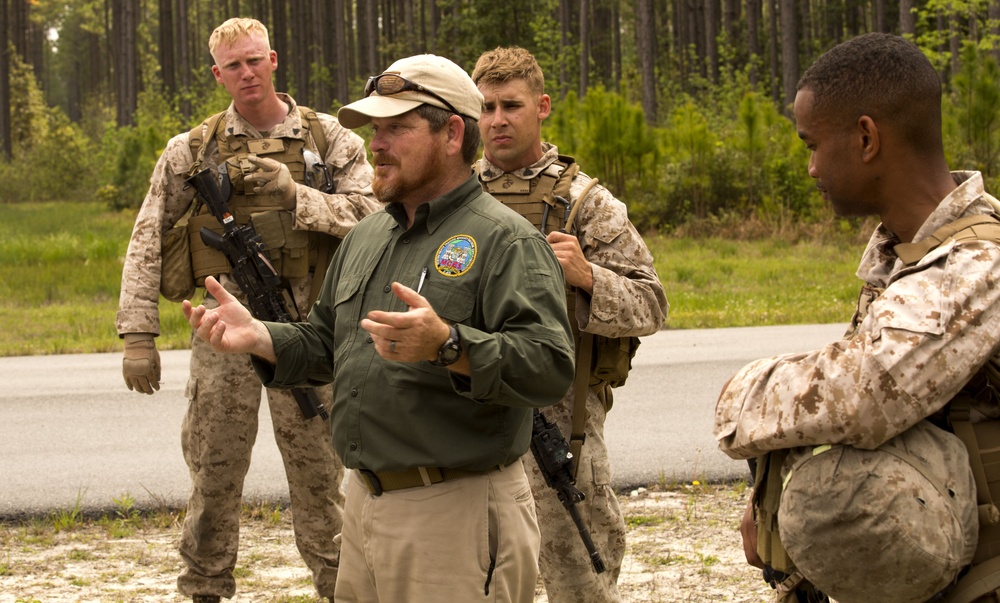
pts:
pixel 386 481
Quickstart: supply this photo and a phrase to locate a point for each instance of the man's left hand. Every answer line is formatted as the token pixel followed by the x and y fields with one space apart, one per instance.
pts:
pixel 578 271
pixel 272 178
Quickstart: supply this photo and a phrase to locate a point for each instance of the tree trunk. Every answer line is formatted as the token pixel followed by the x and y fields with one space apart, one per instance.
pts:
pixel 789 52
pixel 601 46
pixel 881 17
pixel 5 129
pixel 773 49
pixel 168 68
pixel 584 46
pixel 564 21
pixel 753 38
pixel 279 43
pixel 340 52
pixel 993 14
pixel 124 21
pixel 184 58
pixel 645 33
pixel 711 13
pixel 907 20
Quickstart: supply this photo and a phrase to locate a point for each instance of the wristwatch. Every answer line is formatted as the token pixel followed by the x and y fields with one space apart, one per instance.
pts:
pixel 451 350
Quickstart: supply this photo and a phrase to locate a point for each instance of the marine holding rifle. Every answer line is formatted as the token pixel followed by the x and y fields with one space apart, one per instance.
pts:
pixel 302 181
pixel 613 297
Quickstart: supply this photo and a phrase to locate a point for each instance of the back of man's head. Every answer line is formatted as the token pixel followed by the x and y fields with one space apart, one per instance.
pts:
pixel 501 65
pixel 235 29
pixel 885 77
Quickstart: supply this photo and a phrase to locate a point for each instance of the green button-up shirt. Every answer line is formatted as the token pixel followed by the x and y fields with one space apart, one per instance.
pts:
pixel 490 273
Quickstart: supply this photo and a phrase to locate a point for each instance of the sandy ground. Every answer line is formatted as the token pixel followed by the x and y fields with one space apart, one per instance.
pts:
pixel 683 545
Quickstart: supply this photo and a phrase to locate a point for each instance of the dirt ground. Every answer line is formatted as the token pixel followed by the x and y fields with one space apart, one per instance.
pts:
pixel 683 545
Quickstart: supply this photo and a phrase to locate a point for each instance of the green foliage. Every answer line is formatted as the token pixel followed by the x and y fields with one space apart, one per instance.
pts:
pixel 972 112
pixel 131 151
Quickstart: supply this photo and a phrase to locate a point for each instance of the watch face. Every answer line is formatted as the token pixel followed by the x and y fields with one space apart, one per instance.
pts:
pixel 450 353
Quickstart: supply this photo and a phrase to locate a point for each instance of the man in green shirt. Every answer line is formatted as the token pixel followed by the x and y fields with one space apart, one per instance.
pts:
pixel 442 324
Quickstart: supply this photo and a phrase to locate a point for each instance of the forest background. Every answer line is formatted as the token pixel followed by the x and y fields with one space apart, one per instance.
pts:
pixel 680 107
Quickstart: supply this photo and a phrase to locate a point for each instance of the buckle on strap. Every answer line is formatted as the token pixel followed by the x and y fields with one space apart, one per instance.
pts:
pixel 371 481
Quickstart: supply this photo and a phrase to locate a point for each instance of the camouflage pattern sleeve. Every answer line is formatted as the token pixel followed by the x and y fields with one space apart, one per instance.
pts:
pixel 352 199
pixel 921 340
pixel 165 204
pixel 628 298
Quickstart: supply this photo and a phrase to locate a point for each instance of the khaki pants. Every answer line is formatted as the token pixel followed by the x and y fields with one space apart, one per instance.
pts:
pixel 217 438
pixel 467 539
pixel 565 565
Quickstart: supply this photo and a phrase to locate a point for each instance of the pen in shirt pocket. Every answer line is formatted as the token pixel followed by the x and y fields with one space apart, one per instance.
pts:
pixel 423 277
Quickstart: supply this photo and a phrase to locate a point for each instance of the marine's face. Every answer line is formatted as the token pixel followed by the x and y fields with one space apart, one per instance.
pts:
pixel 407 158
pixel 511 123
pixel 835 157
pixel 244 69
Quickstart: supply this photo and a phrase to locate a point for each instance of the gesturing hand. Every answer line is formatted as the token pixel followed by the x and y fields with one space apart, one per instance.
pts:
pixel 272 178
pixel 409 336
pixel 230 327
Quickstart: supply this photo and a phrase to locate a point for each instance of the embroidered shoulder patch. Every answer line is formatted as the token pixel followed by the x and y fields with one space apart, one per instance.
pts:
pixel 455 256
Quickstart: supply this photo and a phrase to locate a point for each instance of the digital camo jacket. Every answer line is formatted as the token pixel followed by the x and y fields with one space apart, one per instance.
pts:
pixel 168 199
pixel 919 334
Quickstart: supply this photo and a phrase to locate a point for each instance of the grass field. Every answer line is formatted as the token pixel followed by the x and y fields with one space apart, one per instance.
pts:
pixel 60 271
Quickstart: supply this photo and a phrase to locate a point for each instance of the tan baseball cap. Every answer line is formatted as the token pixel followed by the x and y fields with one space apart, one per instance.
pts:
pixel 411 82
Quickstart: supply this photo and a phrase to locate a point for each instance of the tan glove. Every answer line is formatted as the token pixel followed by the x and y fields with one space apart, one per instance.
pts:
pixel 141 366
pixel 272 178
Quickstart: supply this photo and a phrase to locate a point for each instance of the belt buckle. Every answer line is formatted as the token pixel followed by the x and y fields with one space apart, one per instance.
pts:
pixel 371 480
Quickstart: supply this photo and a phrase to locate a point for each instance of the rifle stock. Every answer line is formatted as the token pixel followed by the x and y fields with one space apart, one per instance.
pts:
pixel 252 271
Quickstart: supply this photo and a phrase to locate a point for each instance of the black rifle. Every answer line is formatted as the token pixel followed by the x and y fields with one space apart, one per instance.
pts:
pixel 556 463
pixel 252 270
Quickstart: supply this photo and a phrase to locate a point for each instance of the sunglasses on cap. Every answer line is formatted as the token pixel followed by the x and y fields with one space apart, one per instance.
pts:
pixel 388 84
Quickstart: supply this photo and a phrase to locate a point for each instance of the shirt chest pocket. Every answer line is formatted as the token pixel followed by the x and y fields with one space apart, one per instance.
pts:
pixel 454 304
pixel 347 303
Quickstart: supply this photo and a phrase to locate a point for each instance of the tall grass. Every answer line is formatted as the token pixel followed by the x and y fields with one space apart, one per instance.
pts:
pixel 60 275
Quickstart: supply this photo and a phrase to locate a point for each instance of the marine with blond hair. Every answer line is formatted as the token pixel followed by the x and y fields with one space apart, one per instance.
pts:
pixel 303 181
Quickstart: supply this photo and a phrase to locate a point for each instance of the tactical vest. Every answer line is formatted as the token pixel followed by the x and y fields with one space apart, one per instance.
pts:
pixel 293 253
pixel 601 361
pixel 982 439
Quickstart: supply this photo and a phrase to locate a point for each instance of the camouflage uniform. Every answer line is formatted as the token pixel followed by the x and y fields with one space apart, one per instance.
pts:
pixel 224 393
pixel 918 335
pixel 628 300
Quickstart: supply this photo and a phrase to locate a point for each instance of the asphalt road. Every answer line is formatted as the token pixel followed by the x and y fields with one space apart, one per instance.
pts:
pixel 71 434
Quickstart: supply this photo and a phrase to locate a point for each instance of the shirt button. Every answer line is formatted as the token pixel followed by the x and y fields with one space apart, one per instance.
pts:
pixel 369 339
pixel 406 241
pixel 354 445
pixel 354 392
pixel 387 288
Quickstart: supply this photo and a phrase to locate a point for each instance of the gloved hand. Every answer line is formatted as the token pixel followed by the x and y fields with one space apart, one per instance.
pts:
pixel 272 178
pixel 141 366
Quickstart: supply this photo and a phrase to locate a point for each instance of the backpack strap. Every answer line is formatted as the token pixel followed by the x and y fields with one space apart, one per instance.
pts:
pixel 984 227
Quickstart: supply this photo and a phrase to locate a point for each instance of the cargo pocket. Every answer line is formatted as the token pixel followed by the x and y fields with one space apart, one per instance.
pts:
pixel 205 260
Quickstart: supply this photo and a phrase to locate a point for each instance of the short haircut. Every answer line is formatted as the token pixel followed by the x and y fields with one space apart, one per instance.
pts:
pixel 235 29
pixel 885 77
pixel 501 65
pixel 437 118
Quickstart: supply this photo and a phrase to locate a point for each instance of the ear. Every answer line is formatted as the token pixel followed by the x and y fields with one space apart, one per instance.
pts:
pixel 456 134
pixel 544 107
pixel 273 56
pixel 869 135
pixel 217 73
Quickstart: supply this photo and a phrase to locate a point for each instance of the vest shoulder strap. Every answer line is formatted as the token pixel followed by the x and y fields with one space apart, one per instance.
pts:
pixel 983 227
pixel 310 121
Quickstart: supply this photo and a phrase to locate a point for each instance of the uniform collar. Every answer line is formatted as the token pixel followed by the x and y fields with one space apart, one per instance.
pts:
pixel 489 172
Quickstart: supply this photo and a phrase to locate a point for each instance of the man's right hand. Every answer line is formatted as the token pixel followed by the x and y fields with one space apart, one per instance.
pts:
pixel 230 327
pixel 141 366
